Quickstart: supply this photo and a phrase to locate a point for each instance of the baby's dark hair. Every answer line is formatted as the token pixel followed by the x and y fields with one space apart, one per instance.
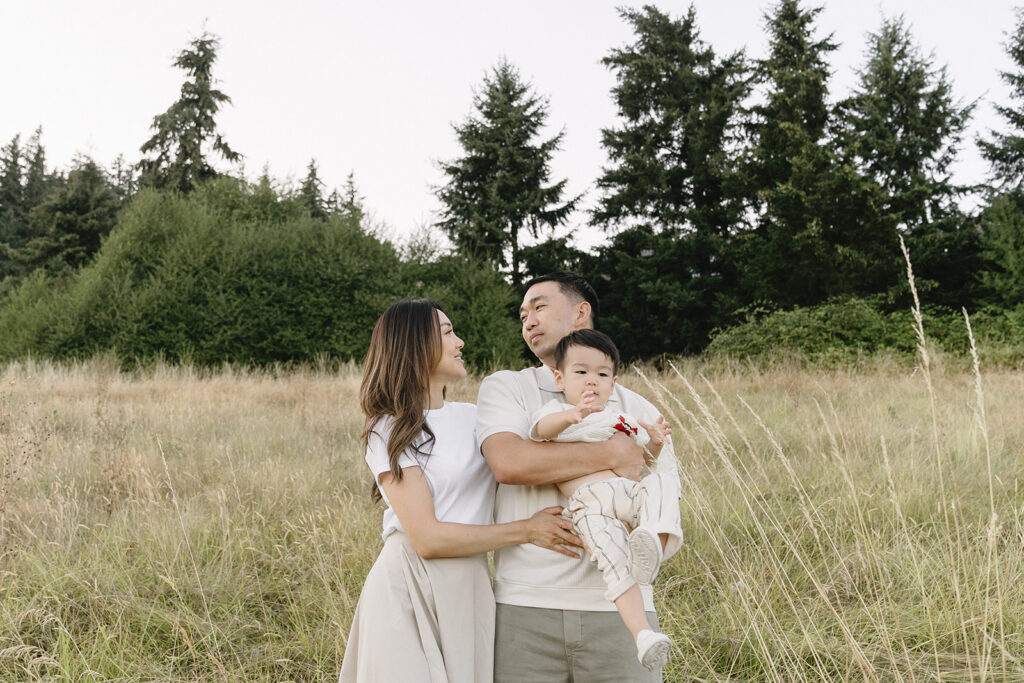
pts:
pixel 589 338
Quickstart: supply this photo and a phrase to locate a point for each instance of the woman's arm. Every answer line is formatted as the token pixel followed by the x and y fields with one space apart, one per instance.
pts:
pixel 411 500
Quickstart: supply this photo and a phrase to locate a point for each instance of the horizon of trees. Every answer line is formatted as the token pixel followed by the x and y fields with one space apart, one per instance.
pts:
pixel 732 185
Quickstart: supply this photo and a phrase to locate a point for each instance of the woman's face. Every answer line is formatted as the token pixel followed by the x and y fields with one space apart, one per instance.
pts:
pixel 450 366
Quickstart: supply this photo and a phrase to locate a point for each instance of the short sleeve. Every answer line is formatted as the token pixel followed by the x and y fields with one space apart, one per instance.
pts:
pixel 500 407
pixel 377 451
pixel 551 407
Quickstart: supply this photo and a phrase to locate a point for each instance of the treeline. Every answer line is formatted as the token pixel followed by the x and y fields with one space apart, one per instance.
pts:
pixel 743 204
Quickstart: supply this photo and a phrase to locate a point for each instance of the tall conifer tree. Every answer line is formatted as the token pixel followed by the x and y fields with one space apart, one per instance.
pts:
pixel 1005 151
pixel 1002 218
pixel 311 192
pixel 901 130
pixel 186 133
pixel 12 205
pixel 786 260
pixel 499 190
pixel 671 185
pixel 72 223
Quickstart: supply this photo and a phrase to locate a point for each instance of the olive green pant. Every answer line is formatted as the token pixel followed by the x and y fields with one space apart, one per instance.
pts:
pixel 534 645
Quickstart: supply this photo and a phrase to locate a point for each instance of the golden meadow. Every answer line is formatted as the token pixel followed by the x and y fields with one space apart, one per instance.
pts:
pixel 843 524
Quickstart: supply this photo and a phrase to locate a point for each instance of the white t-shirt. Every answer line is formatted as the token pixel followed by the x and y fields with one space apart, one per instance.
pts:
pixel 528 575
pixel 460 481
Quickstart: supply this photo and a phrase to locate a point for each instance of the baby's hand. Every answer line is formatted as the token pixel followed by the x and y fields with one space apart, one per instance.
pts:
pixel 586 406
pixel 659 431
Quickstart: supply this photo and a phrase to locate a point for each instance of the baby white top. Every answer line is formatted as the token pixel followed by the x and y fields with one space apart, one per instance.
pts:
pixel 460 481
pixel 599 426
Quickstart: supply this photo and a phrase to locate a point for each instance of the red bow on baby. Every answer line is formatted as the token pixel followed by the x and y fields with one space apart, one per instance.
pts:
pixel 624 427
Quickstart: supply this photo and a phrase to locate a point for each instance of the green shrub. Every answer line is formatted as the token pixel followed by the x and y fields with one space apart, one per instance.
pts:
pixel 481 304
pixel 843 331
pixel 225 274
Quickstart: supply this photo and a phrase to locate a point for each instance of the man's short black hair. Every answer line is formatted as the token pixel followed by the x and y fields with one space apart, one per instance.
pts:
pixel 571 285
pixel 589 338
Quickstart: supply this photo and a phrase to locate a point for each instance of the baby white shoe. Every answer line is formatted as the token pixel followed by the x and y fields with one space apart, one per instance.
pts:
pixel 652 649
pixel 645 555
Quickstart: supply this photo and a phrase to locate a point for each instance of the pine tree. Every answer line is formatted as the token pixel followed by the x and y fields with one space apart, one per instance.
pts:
pixel 12 205
pixel 311 192
pixel 499 189
pixel 1005 151
pixel 38 184
pixel 1002 239
pixel 1002 218
pixel 785 259
pixel 902 127
pixel 12 196
pixel 670 159
pixel 124 178
pixel 187 131
pixel 901 130
pixel 671 182
pixel 351 203
pixel 72 223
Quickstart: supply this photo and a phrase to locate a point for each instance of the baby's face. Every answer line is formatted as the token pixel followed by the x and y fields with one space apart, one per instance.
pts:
pixel 586 369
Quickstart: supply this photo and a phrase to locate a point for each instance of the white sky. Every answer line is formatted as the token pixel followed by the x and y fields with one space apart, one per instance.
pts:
pixel 375 87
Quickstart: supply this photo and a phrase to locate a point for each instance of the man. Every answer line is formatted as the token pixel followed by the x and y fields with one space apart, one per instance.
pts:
pixel 553 621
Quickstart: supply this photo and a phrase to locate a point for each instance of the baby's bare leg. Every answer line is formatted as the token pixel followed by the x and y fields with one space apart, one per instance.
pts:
pixel 568 488
pixel 631 608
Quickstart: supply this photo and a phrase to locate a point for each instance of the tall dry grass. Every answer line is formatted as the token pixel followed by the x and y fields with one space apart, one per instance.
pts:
pixel 173 524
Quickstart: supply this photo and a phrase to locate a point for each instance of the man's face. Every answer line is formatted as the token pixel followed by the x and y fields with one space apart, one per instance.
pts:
pixel 548 315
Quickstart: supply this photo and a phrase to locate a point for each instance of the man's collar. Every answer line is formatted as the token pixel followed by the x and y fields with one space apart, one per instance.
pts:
pixel 546 379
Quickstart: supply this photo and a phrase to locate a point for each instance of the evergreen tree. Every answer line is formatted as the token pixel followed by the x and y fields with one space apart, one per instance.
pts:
pixel 351 203
pixel 900 130
pixel 12 205
pixel 672 180
pixel 1002 237
pixel 72 223
pixel 187 131
pixel 38 184
pixel 124 178
pixel 499 188
pixel 785 259
pixel 12 198
pixel 678 104
pixel 311 192
pixel 1005 151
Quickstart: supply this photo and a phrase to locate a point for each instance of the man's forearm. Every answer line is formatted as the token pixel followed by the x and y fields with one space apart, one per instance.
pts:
pixel 514 460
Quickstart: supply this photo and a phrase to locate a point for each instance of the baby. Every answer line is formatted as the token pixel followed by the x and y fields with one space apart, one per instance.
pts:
pixel 602 504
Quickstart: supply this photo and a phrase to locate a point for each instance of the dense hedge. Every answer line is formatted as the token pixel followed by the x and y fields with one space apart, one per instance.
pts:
pixel 481 304
pixel 840 331
pixel 237 273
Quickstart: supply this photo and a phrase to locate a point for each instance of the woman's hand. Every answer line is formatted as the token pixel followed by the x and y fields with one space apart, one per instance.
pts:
pixel 548 530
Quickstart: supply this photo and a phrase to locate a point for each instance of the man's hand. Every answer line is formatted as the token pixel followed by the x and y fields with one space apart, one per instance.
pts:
pixel 625 458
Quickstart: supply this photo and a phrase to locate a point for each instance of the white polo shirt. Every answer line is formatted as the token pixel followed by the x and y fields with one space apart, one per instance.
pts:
pixel 527 575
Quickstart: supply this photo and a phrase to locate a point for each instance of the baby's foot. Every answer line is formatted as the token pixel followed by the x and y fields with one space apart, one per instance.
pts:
pixel 645 555
pixel 652 649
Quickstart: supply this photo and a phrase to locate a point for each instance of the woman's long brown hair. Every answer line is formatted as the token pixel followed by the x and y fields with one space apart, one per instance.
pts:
pixel 404 347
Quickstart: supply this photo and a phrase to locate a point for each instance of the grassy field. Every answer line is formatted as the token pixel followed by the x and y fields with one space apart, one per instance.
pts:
pixel 840 524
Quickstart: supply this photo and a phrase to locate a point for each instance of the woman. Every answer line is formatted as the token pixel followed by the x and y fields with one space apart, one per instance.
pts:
pixel 426 612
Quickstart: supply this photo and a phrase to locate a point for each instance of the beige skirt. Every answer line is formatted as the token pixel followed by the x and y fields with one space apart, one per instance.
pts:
pixel 429 621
